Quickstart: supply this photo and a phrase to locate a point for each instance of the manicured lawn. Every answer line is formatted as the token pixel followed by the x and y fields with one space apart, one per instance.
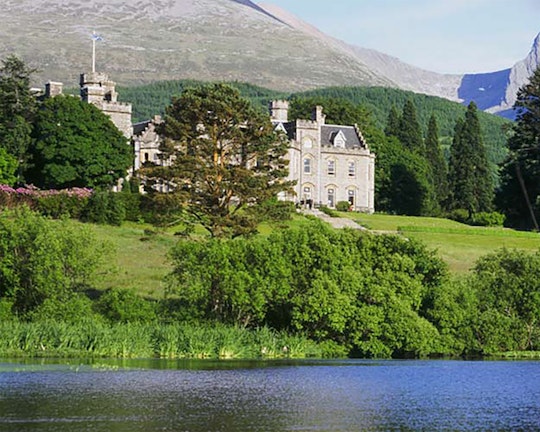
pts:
pixel 383 222
pixel 459 245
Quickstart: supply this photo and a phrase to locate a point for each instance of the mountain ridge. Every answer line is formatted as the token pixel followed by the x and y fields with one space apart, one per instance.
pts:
pixel 223 40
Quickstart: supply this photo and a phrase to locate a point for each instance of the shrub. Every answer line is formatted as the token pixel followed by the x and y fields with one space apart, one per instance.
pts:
pixel 120 305
pixel 43 260
pixel 132 205
pixel 343 206
pixel 330 212
pixel 60 205
pixel 361 291
pixel 275 210
pixel 105 207
pixel 489 219
pixel 459 215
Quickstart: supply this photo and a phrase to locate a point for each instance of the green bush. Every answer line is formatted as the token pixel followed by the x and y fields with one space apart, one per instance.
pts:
pixel 276 210
pixel 327 210
pixel 343 206
pixel 131 201
pixel 119 305
pixel 489 219
pixel 43 260
pixel 60 205
pixel 459 215
pixel 106 208
pixel 361 291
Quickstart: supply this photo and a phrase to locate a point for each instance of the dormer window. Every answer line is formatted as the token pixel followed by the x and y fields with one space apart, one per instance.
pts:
pixel 338 139
pixel 280 128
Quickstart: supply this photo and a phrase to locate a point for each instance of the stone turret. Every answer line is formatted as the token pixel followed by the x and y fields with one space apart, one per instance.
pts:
pixel 97 89
pixel 317 115
pixel 279 111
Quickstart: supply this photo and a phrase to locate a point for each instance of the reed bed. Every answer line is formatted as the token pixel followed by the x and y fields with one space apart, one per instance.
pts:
pixel 155 340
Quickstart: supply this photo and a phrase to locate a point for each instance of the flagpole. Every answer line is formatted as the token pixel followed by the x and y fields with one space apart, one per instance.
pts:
pixel 93 55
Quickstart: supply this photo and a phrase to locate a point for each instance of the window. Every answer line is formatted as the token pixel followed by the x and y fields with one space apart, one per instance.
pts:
pixel 352 169
pixel 351 195
pixel 307 166
pixel 331 167
pixel 331 197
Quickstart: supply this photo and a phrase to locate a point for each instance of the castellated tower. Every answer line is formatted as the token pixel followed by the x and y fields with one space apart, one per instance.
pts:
pixel 279 111
pixel 97 89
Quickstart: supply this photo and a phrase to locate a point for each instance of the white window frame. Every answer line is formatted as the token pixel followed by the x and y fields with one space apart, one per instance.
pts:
pixel 307 165
pixel 351 168
pixel 331 167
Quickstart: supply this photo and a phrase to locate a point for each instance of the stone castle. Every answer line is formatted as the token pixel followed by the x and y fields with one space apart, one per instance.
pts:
pixel 329 163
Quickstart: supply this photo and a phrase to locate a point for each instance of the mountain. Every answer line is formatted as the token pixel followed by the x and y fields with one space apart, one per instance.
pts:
pixel 153 40
pixel 231 40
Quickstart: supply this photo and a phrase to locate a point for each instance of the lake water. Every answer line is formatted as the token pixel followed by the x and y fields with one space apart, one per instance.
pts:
pixel 283 396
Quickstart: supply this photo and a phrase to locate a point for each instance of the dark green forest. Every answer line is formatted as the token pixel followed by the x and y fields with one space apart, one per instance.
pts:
pixel 151 99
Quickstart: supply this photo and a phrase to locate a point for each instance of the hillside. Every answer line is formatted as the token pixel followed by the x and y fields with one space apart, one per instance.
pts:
pixel 152 99
pixel 224 40
pixel 147 41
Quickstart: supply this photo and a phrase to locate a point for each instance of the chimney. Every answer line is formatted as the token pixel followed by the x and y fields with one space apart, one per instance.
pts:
pixel 317 115
pixel 279 110
pixel 53 89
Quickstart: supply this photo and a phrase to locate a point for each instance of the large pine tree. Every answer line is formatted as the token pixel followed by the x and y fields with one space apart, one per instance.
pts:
pixel 410 132
pixel 520 174
pixel 435 157
pixel 392 123
pixel 471 183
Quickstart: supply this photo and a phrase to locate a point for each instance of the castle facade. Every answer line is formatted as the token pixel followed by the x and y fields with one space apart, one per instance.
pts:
pixel 330 163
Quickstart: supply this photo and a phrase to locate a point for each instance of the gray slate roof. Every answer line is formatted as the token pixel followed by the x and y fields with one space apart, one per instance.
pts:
pixel 329 132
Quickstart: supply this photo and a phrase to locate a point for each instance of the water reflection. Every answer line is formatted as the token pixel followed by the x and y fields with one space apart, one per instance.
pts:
pixel 280 396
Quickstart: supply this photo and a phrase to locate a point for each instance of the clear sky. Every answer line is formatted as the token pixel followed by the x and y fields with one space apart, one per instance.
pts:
pixel 448 36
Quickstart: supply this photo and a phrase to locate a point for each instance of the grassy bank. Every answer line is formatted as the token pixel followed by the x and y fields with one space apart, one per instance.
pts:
pixel 140 259
pixel 459 245
pixel 154 340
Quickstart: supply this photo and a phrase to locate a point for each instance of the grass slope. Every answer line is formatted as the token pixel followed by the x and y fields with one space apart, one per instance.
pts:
pixel 140 258
pixel 457 244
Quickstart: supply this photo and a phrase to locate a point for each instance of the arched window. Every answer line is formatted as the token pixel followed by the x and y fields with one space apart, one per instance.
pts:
pixel 331 192
pixel 351 196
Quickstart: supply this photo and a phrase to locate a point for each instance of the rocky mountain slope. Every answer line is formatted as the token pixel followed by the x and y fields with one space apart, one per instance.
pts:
pixel 153 40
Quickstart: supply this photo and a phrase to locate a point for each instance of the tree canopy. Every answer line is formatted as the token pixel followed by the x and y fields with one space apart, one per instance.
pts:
pixel 435 157
pixel 17 108
pixel 226 159
pixel 520 188
pixel 409 132
pixel 471 182
pixel 8 167
pixel 76 145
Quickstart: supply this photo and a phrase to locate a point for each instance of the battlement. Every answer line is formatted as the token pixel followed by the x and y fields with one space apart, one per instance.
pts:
pixel 279 110
pixel 118 107
pixel 306 124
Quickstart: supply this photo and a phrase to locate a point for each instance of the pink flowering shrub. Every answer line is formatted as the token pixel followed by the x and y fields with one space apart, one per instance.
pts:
pixel 52 203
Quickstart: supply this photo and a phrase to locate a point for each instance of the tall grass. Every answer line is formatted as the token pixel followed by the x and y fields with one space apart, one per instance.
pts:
pixel 155 340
